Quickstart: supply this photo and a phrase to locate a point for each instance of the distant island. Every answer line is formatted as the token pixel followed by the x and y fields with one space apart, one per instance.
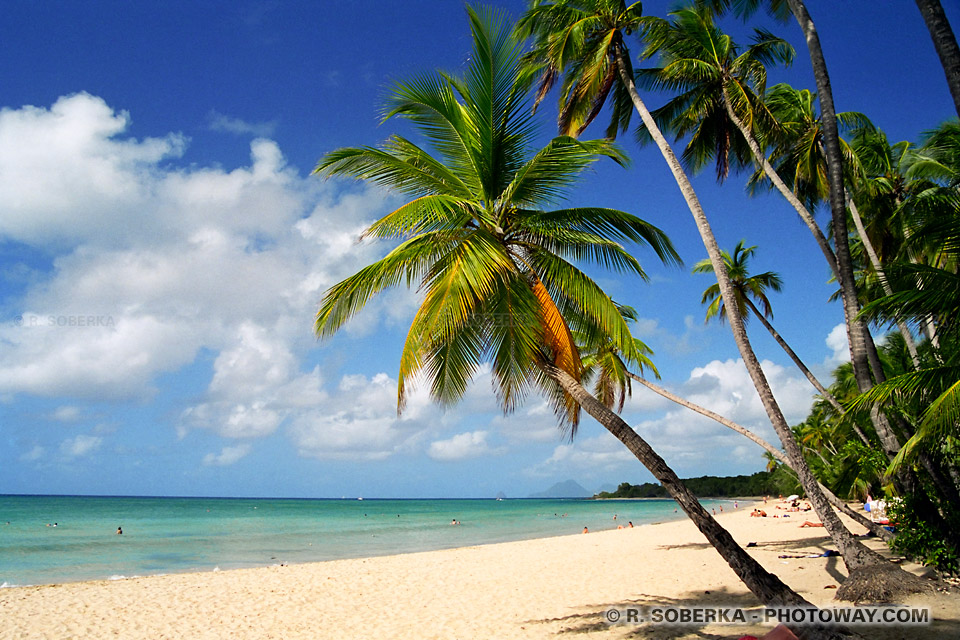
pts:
pixel 566 489
pixel 759 484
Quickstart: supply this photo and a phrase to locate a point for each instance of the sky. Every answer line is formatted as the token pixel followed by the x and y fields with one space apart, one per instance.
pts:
pixel 164 248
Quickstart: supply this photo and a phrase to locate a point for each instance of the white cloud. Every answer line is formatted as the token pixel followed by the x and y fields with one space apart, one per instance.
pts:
pixel 65 177
pixel 157 263
pixel 227 456
pixel 837 342
pixel 360 421
pixel 80 445
pixel 221 122
pixel 66 413
pixel 34 454
pixel 472 444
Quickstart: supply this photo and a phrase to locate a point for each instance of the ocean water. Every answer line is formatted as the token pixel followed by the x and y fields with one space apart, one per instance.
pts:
pixel 174 535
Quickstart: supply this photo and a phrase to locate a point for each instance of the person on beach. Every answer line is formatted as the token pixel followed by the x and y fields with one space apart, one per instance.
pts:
pixel 119 531
pixel 585 530
pixel 807 523
pixel 629 524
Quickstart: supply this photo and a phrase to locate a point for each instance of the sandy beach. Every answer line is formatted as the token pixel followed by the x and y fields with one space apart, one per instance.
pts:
pixel 549 588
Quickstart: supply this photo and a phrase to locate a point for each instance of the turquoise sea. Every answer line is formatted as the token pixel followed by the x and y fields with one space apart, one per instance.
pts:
pixel 173 535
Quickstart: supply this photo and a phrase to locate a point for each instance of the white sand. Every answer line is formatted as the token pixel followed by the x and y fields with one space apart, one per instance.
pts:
pixel 550 588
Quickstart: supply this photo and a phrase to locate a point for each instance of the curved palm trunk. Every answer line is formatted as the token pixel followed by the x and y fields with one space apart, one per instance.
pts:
pixel 776 453
pixel 763 584
pixel 945 43
pixel 878 269
pixel 854 553
pixel 880 422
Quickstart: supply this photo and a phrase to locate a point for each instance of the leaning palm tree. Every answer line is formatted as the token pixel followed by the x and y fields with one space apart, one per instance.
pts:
pixel 584 40
pixel 494 268
pixel 751 290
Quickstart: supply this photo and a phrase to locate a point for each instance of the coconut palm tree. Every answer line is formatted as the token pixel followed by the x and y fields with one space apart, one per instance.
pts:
pixel 862 351
pixel 720 103
pixel 751 290
pixel 584 41
pixel 493 267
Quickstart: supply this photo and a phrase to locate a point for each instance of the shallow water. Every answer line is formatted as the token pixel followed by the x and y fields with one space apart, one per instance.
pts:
pixel 172 535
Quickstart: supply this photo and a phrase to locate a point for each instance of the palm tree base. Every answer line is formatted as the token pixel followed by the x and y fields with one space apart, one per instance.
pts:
pixel 881 583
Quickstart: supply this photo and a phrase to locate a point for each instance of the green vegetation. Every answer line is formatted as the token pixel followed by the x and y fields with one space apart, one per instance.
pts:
pixel 762 483
pixel 500 282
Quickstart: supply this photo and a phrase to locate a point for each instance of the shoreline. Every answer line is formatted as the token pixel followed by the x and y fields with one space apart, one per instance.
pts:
pixel 527 589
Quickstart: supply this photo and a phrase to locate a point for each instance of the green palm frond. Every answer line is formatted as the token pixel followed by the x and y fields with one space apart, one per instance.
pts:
pixel 494 271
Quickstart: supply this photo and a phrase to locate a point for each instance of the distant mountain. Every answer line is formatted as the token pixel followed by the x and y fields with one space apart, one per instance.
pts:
pixel 566 489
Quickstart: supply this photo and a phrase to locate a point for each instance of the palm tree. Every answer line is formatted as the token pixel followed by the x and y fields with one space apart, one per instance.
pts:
pixel 584 41
pixel 878 183
pixel 493 266
pixel 747 289
pixel 945 43
pixel 720 104
pixel 613 385
pixel 862 352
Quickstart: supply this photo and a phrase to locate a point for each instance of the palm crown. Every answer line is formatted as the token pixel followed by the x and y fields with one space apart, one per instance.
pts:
pixel 496 271
pixel 749 290
pixel 709 70
pixel 583 40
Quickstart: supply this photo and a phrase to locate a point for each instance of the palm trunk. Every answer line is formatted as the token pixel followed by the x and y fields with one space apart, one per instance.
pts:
pixel 776 453
pixel 863 355
pixel 781 186
pixel 878 269
pixel 834 158
pixel 881 425
pixel 854 553
pixel 945 43
pixel 796 359
pixel 768 588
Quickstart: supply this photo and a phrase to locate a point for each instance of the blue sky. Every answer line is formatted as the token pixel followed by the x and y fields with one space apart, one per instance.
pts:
pixel 163 248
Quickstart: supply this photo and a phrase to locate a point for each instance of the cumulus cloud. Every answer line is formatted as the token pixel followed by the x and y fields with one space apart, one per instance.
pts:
pixel 360 421
pixel 586 457
pixel 64 176
pixel 472 444
pixel 837 342
pixel 80 445
pixel 156 265
pixel 227 456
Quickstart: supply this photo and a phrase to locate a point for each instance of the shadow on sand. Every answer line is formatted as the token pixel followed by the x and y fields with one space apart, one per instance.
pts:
pixel 593 619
